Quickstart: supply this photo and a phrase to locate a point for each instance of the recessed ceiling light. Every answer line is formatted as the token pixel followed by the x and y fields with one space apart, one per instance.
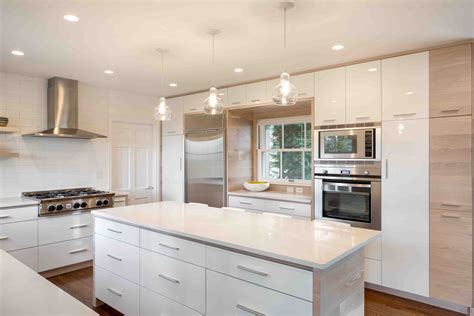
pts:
pixel 71 18
pixel 238 70
pixel 17 53
pixel 372 69
pixel 173 84
pixel 337 47
pixel 109 72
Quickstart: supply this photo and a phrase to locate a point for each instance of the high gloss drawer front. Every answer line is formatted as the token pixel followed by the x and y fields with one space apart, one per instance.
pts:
pixel 180 281
pixel 174 247
pixel 152 304
pixel 65 253
pixel 283 278
pixel 18 235
pixel 247 203
pixel 289 208
pixel 117 292
pixel 65 227
pixel 118 257
pixel 18 214
pixel 373 250
pixel 122 232
pixel 230 296
pixel 28 256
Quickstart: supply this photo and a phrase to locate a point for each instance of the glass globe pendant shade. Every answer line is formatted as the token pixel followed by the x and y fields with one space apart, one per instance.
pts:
pixel 162 111
pixel 213 104
pixel 284 92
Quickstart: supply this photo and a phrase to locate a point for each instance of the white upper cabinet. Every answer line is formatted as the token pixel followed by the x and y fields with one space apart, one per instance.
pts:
pixel 175 125
pixel 257 93
pixel 223 95
pixel 304 84
pixel 236 96
pixel 405 87
pixel 330 96
pixel 194 103
pixel 363 98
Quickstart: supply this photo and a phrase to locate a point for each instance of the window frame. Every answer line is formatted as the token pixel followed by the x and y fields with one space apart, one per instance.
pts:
pixel 261 150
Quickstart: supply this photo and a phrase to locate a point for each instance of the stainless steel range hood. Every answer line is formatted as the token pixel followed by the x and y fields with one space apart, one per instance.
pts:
pixel 63 111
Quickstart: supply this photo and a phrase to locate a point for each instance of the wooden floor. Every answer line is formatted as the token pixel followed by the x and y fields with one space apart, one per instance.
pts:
pixel 79 285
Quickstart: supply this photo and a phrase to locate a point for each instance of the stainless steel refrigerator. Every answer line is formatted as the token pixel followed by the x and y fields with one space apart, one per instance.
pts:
pixel 204 148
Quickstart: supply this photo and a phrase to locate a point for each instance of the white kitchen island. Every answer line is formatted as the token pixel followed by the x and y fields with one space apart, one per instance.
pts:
pixel 183 259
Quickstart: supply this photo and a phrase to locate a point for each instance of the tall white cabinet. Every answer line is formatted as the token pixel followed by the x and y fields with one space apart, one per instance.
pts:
pixel 172 172
pixel 330 96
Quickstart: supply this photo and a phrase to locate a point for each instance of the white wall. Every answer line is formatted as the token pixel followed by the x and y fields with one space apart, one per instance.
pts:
pixel 62 163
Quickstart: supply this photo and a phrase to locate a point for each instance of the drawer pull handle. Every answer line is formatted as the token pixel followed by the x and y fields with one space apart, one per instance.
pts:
pixel 329 120
pixel 114 291
pixel 246 203
pixel 4 237
pixel 287 208
pixel 451 204
pixel 168 278
pixel 450 110
pixel 168 246
pixel 114 231
pixel 171 132
pixel 404 114
pixel 249 310
pixel 77 250
pixel 78 226
pixel 302 93
pixel 363 117
pixel 450 216
pixel 252 270
pixel 4 216
pixel 192 109
pixel 255 100
pixel 114 257
pixel 141 198
pixel 236 102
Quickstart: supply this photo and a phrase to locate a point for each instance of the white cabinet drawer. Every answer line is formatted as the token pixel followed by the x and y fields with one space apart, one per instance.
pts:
pixel 28 256
pixel 65 227
pixel 173 247
pixel 19 235
pixel 18 214
pixel 280 277
pixel 117 292
pixel 230 296
pixel 374 249
pixel 152 304
pixel 122 232
pixel 247 203
pixel 296 209
pixel 65 253
pixel 373 271
pixel 180 281
pixel 118 257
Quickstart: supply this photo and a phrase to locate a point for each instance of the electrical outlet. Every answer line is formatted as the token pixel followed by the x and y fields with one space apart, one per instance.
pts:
pixel 299 190
pixel 290 190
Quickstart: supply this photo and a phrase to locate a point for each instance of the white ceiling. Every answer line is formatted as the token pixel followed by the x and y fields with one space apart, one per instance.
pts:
pixel 123 35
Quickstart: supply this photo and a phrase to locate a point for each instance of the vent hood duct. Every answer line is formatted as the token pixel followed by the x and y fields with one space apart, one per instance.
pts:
pixel 63 111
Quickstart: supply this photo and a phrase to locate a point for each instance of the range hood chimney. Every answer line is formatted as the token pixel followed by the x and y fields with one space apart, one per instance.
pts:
pixel 63 111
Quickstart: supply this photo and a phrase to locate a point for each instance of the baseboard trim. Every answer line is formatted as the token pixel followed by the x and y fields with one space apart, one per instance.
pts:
pixel 422 299
pixel 66 269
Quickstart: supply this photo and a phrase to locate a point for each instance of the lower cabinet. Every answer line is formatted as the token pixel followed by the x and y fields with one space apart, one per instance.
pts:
pixel 28 256
pixel 152 304
pixel 18 235
pixel 64 253
pixel 373 262
pixel 297 210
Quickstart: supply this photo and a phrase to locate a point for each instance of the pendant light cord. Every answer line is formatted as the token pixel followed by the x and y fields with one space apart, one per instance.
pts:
pixel 162 72
pixel 213 66
pixel 284 38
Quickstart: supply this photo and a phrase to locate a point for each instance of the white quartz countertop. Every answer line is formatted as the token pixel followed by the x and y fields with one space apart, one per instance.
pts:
pixel 273 195
pixel 25 292
pixel 313 244
pixel 16 202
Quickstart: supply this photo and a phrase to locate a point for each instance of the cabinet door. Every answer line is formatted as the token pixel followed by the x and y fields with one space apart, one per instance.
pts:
pixel 450 81
pixel 363 98
pixel 330 96
pixel 257 93
pixel 236 96
pixel 405 206
pixel 194 103
pixel 405 83
pixel 175 125
pixel 172 168
pixel 304 84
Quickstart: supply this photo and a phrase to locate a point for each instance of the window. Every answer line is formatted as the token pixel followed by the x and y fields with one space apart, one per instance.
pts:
pixel 284 150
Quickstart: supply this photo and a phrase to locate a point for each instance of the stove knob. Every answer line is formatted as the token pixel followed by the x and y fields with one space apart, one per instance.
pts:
pixel 366 172
pixel 51 208
pixel 325 172
pixel 83 204
pixel 98 203
pixel 105 202
pixel 59 207
pixel 76 205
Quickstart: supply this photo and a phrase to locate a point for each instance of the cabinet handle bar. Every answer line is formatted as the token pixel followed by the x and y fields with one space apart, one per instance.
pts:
pixel 249 310
pixel 252 270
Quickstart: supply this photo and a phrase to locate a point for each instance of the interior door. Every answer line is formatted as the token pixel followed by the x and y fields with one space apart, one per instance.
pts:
pixel 132 161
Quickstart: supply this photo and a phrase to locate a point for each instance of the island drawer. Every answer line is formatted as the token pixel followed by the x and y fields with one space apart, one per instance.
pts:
pixel 117 257
pixel 289 208
pixel 18 214
pixel 122 232
pixel 247 203
pixel 65 227
pixel 178 280
pixel 65 253
pixel 117 292
pixel 173 247
pixel 28 256
pixel 152 304
pixel 230 296
pixel 18 235
pixel 283 278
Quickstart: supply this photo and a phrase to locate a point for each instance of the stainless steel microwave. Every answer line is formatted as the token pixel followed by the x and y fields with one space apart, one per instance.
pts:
pixel 349 143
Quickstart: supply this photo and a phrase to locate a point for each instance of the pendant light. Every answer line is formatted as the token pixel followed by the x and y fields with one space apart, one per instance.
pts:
pixel 284 92
pixel 213 104
pixel 162 110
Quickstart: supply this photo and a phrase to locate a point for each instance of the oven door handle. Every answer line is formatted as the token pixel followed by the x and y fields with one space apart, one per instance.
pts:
pixel 351 185
pixel 347 192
